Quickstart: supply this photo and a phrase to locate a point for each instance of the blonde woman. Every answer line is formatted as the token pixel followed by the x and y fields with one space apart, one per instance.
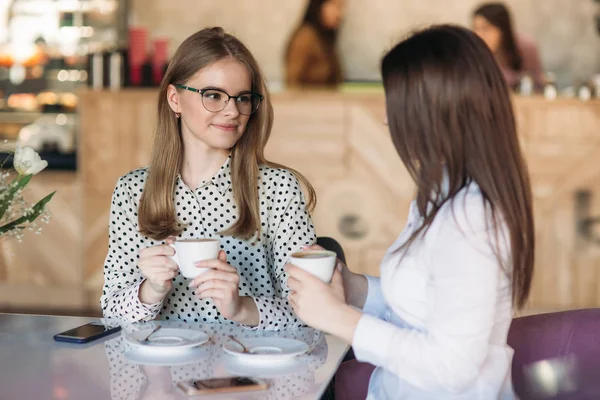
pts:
pixel 208 177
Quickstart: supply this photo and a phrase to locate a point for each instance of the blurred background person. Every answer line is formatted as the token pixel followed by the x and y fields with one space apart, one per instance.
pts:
pixel 311 58
pixel 516 54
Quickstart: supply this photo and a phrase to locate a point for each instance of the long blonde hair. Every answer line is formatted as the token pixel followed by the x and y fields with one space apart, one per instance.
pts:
pixel 156 214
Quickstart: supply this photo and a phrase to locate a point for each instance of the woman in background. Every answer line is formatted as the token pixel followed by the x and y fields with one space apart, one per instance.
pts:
pixel 517 55
pixel 311 58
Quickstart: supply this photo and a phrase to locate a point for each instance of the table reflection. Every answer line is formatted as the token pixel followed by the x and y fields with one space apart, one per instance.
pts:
pixel 131 379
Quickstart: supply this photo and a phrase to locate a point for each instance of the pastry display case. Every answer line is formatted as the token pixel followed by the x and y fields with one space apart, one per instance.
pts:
pixel 47 48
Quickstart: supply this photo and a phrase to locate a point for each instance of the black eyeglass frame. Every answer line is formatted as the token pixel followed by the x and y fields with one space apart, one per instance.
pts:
pixel 202 91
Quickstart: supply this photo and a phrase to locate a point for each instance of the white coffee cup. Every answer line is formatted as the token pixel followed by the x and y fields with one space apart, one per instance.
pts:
pixel 190 251
pixel 320 263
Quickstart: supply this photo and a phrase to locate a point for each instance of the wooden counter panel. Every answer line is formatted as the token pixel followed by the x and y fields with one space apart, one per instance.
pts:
pixel 340 143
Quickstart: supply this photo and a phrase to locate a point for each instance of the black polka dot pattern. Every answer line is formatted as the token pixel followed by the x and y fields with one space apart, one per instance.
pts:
pixel 206 211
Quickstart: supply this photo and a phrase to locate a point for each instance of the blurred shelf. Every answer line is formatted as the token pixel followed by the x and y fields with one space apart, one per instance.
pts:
pixel 56 160
pixel 26 116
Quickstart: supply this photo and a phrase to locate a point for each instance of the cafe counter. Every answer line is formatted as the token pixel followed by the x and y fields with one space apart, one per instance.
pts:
pixel 339 142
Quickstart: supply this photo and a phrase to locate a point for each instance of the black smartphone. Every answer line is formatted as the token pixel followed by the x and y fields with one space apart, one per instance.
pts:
pixel 221 385
pixel 86 333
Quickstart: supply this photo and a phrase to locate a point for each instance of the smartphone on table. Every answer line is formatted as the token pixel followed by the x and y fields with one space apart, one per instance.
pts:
pixel 221 385
pixel 86 333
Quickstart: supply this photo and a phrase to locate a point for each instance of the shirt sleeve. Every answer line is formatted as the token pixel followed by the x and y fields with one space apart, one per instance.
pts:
pixel 449 353
pixel 375 304
pixel 122 277
pixel 290 227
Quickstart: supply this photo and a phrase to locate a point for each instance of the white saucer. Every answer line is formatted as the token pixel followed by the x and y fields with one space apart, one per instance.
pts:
pixel 266 349
pixel 165 341
pixel 191 356
pixel 271 370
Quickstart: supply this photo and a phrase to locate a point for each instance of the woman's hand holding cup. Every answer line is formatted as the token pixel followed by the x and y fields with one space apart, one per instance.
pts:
pixel 201 261
pixel 355 285
pixel 159 270
pixel 221 284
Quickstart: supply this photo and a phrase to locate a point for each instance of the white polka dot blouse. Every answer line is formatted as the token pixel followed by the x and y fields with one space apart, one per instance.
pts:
pixel 209 209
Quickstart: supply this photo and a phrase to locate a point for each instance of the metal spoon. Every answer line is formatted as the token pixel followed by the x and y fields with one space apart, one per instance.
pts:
pixel 151 333
pixel 240 343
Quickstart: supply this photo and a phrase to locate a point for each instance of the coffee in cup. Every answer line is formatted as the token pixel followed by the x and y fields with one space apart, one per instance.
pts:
pixel 190 251
pixel 320 263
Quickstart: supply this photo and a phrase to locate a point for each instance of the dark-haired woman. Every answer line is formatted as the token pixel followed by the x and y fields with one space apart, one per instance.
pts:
pixel 311 57
pixel 517 55
pixel 436 323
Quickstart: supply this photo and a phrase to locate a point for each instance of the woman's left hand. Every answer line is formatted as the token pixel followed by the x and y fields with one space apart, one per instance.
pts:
pixel 221 284
pixel 315 302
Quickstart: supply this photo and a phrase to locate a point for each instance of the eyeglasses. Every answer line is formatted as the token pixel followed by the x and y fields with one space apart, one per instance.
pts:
pixel 215 100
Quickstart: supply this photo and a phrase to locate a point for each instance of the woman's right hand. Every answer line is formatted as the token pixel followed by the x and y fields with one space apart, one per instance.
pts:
pixel 159 271
pixel 356 286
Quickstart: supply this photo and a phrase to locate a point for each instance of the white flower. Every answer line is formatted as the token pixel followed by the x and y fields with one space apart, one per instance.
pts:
pixel 28 161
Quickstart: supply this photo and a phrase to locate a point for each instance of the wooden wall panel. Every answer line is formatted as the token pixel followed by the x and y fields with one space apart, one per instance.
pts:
pixel 561 143
pixel 46 270
pixel 117 132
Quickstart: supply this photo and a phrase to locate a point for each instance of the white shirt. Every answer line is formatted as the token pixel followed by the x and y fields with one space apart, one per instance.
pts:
pixel 436 322
pixel 209 209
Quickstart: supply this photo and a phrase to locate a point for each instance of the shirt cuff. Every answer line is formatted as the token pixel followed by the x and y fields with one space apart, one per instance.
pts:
pixel 149 310
pixel 260 306
pixel 375 303
pixel 371 340
pixel 274 314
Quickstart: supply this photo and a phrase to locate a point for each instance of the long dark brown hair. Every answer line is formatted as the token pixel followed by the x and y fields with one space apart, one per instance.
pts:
pixel 498 15
pixel 313 17
pixel 157 217
pixel 449 112
pixel 327 36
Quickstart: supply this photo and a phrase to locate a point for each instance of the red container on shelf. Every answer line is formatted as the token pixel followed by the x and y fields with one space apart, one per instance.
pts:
pixel 138 53
pixel 160 48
